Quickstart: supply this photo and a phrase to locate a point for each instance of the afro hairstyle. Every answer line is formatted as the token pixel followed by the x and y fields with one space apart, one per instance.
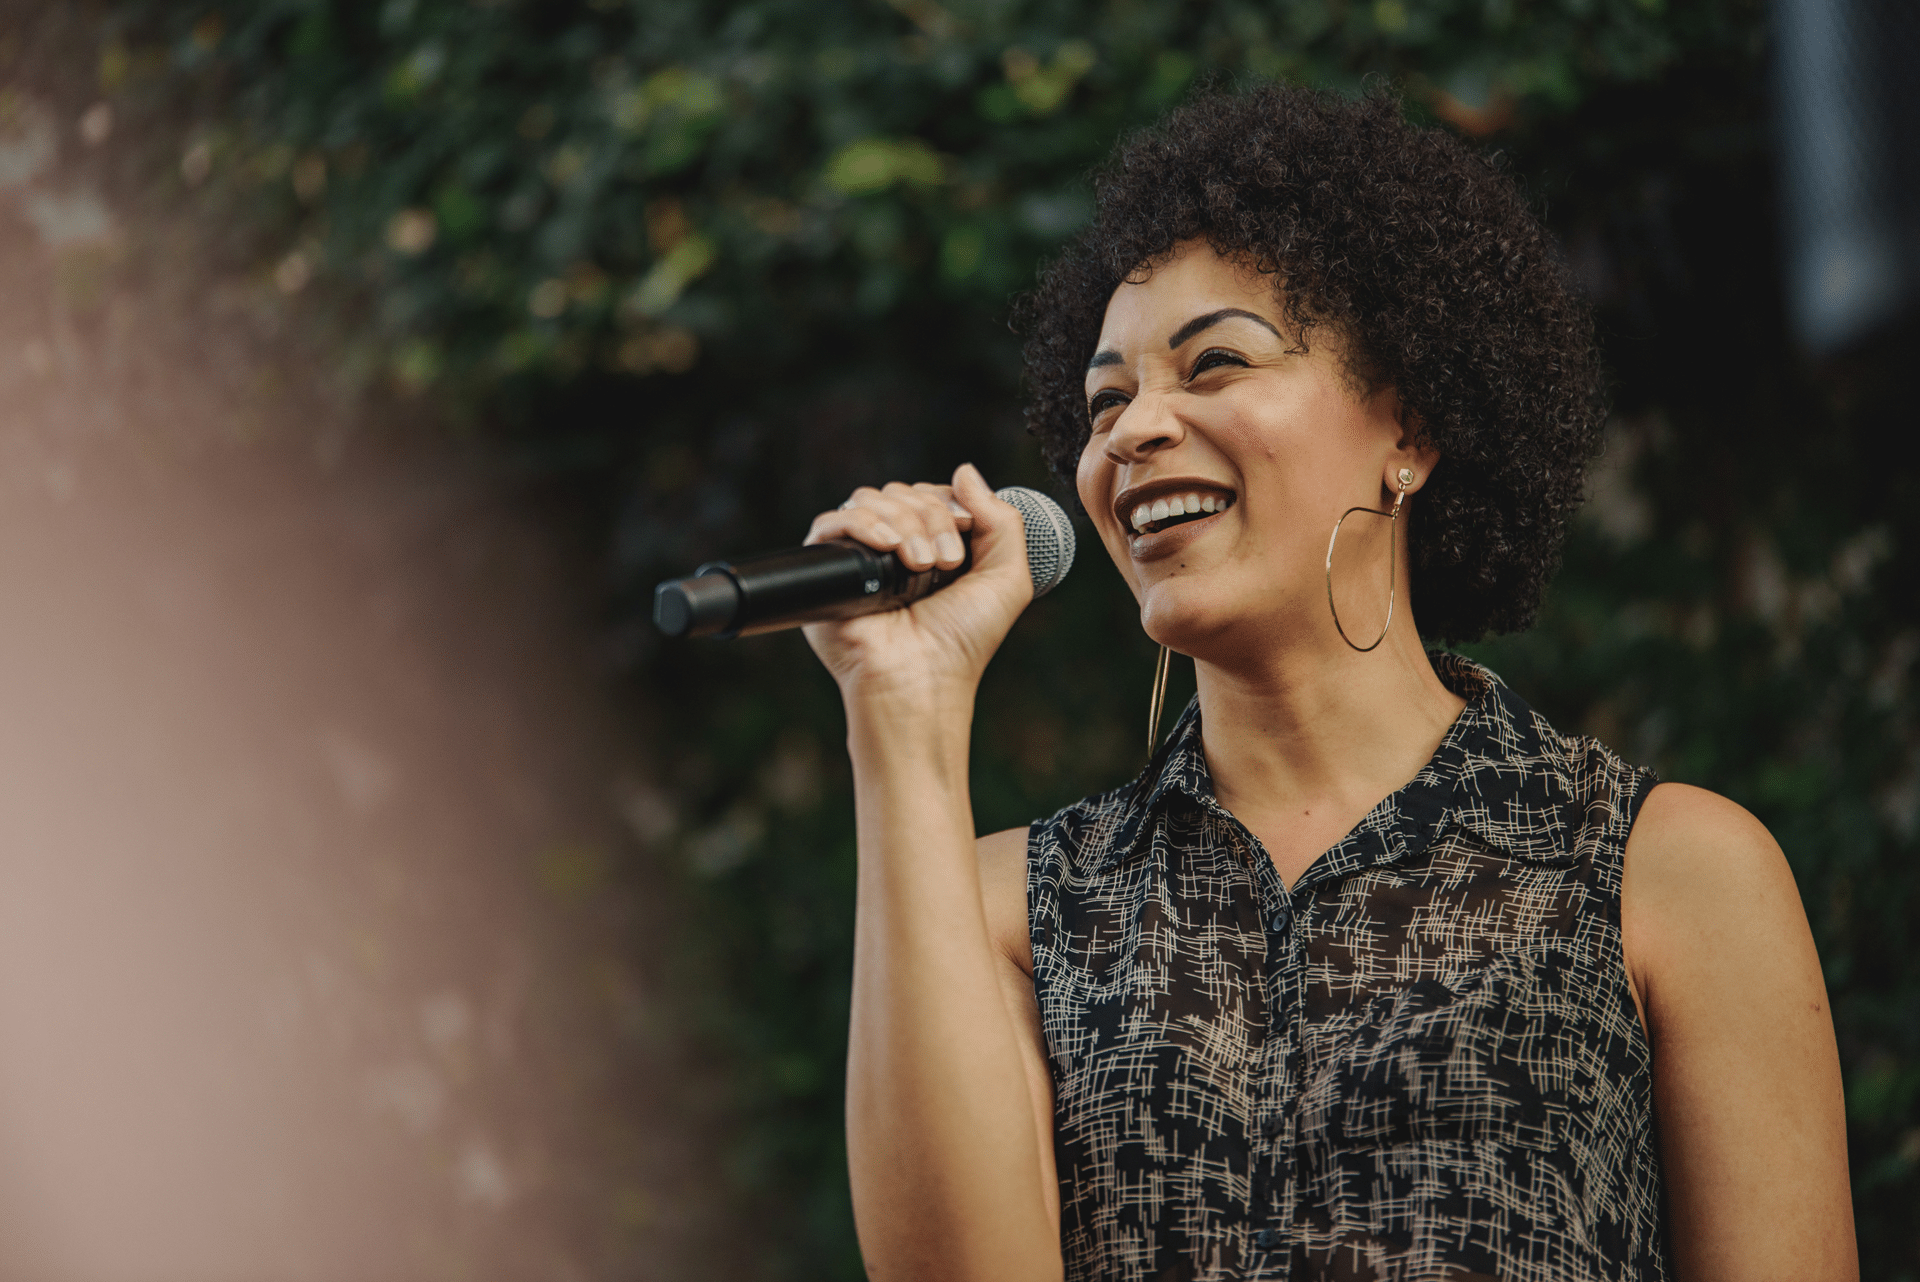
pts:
pixel 1421 257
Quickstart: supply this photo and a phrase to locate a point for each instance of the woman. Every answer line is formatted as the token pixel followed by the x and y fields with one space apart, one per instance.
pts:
pixel 1371 974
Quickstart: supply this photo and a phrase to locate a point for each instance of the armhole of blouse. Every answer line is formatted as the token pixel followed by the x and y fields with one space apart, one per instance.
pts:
pixel 1642 781
pixel 1645 781
pixel 1631 785
pixel 1035 875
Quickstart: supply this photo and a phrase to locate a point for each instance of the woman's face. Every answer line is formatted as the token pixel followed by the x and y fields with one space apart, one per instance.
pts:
pixel 1196 393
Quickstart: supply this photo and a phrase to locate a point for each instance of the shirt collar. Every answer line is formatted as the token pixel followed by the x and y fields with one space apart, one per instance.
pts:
pixel 1177 765
pixel 1496 773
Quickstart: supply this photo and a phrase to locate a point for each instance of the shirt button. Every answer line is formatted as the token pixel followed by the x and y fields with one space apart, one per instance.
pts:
pixel 1272 1127
pixel 1266 1239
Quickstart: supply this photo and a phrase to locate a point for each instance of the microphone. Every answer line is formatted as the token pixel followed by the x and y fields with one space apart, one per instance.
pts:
pixel 841 579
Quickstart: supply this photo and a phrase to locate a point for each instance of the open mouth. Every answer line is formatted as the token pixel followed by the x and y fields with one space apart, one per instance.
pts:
pixel 1169 510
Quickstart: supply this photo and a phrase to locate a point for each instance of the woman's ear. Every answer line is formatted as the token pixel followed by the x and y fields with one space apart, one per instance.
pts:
pixel 1412 453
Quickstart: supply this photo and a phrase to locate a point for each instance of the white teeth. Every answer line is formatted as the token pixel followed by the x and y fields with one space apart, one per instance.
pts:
pixel 1146 514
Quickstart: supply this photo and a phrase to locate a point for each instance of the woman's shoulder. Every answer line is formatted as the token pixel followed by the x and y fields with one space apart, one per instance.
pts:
pixel 1506 737
pixel 1089 827
pixel 1675 825
pixel 1698 819
pixel 1690 849
pixel 1704 883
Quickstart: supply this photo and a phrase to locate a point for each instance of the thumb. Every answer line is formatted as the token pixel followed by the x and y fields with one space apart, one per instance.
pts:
pixel 999 531
pixel 971 489
pixel 992 516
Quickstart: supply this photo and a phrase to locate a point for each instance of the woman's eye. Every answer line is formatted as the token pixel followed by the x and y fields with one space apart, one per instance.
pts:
pixel 1102 402
pixel 1212 359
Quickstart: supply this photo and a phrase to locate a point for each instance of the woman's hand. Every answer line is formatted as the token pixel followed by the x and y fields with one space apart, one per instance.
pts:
pixel 941 643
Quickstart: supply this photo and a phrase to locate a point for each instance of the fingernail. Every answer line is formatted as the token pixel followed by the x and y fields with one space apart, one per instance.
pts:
pixel 919 550
pixel 885 533
pixel 957 510
pixel 950 548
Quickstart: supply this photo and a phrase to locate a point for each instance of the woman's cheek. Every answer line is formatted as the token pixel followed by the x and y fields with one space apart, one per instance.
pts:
pixel 1089 475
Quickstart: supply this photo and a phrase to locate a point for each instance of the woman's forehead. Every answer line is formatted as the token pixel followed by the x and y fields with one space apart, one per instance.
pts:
pixel 1157 299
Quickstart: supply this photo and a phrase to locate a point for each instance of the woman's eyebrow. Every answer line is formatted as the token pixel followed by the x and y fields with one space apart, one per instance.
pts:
pixel 1199 323
pixel 1186 331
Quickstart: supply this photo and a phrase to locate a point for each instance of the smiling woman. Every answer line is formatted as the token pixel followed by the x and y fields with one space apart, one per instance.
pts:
pixel 1371 974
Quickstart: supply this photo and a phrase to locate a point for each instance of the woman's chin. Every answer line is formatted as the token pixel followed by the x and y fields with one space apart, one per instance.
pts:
pixel 1190 626
pixel 1197 618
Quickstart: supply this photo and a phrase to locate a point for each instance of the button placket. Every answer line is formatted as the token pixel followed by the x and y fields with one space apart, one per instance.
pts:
pixel 1273 1093
pixel 1285 988
pixel 1283 1087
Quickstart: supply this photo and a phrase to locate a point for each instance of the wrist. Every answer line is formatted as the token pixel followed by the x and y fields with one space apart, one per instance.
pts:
pixel 896 726
pixel 908 699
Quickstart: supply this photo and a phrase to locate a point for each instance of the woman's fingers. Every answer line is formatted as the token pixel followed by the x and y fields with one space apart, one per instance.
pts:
pixel 920 524
pixel 932 531
pixel 858 520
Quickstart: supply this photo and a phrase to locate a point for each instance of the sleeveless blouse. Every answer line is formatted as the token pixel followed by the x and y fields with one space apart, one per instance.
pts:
pixel 1421 1062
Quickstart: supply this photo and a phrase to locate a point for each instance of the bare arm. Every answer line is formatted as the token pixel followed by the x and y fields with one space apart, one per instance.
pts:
pixel 951 1177
pixel 1003 886
pixel 1746 1077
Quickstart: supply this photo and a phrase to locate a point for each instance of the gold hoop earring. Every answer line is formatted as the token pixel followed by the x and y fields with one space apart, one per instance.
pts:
pixel 1155 704
pixel 1405 477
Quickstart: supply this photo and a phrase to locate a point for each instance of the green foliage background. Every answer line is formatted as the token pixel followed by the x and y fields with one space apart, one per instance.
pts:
pixel 706 266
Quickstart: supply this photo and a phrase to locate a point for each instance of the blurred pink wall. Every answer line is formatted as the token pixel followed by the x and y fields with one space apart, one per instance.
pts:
pixel 311 965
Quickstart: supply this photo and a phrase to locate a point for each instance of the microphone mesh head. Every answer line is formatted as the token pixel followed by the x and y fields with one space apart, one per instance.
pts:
pixel 1049 536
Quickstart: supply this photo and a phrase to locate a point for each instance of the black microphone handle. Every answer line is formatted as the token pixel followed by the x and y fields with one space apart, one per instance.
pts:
pixel 834 579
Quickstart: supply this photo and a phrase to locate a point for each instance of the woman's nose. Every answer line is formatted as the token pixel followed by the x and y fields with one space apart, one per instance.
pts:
pixel 1146 426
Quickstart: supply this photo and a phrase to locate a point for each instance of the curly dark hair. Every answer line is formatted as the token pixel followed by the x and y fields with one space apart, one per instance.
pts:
pixel 1422 256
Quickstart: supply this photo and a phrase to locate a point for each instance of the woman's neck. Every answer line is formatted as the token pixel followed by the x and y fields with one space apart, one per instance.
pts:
pixel 1302 746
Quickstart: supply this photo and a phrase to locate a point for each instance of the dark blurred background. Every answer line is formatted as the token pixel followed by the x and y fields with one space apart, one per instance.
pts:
pixel 450 326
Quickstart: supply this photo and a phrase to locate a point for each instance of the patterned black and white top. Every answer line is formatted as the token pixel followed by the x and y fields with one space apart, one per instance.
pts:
pixel 1421 1062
